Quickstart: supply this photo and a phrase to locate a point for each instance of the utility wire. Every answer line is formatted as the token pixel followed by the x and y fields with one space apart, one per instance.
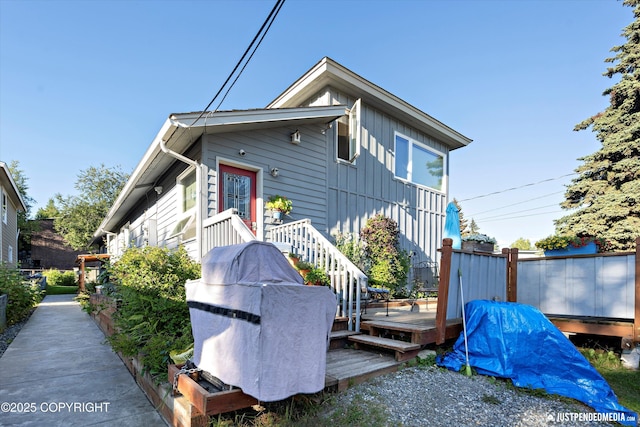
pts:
pixel 516 188
pixel 266 23
pixel 522 216
pixel 250 56
pixel 515 212
pixel 515 204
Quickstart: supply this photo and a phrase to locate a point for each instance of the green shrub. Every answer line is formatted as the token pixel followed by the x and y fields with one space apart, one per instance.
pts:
pixel 21 296
pixel 389 265
pixel 153 317
pixel 60 278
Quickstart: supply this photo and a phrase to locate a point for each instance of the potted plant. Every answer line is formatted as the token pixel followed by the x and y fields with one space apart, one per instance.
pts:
pixel 303 267
pixel 558 245
pixel 478 242
pixel 279 205
pixel 294 258
pixel 316 277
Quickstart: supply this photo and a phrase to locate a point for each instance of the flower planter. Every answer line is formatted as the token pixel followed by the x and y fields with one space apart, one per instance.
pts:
pixel 277 215
pixel 475 246
pixel 589 248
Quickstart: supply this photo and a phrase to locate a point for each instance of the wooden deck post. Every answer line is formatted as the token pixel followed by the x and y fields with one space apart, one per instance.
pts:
pixel 443 290
pixel 512 275
pixel 636 318
pixel 81 277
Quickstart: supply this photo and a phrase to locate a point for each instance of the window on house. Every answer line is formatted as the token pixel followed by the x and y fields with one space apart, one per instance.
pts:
pixel 4 207
pixel 187 187
pixel 416 163
pixel 348 135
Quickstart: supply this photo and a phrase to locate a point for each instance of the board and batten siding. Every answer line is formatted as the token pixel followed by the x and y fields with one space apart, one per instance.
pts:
pixel 302 168
pixel 368 187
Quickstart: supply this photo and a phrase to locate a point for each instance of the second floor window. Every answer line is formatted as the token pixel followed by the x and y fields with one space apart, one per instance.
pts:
pixel 416 163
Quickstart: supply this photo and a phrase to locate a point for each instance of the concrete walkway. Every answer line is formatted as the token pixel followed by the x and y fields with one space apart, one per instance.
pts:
pixel 59 372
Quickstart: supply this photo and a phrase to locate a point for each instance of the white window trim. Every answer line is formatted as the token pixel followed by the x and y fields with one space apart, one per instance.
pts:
pixel 189 214
pixel 5 206
pixel 413 142
pixel 354 125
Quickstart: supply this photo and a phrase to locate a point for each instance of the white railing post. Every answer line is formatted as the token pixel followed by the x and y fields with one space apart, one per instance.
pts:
pixel 346 279
pixel 225 228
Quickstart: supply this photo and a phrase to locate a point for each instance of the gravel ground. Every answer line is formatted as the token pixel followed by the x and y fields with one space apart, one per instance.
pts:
pixel 433 396
pixel 9 334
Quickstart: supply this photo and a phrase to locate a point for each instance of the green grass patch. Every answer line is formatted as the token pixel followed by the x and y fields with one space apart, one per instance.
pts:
pixel 61 290
pixel 624 382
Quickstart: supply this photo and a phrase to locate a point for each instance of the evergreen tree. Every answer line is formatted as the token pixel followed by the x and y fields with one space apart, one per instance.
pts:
pixel 606 193
pixel 473 228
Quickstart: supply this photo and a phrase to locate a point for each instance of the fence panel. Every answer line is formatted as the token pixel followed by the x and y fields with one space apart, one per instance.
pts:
pixel 597 286
pixel 483 277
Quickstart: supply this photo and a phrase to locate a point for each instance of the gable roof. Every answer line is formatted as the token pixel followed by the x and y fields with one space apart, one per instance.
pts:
pixel 179 131
pixel 328 72
pixel 10 187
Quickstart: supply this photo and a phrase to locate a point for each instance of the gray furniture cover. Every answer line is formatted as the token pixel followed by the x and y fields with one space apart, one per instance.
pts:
pixel 256 326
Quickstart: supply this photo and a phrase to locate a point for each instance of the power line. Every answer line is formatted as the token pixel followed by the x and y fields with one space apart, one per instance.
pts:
pixel 516 188
pixel 515 212
pixel 267 23
pixel 522 216
pixel 518 203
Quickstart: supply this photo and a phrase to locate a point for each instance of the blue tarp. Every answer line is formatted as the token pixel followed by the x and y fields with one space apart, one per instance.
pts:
pixel 516 341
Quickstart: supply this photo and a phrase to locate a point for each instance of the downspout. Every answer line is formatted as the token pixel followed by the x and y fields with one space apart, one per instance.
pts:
pixel 195 164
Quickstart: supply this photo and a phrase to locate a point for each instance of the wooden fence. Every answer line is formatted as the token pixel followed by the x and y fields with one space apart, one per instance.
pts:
pixel 481 276
pixel 597 294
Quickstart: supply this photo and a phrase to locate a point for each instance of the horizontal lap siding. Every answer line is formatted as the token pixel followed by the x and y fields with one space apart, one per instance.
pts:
pixel 302 168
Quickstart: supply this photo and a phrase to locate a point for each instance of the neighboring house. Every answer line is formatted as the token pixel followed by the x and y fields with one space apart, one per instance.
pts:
pixel 341 148
pixel 11 202
pixel 49 249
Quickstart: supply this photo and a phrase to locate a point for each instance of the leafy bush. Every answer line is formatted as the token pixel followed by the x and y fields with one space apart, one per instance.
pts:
pixel 389 264
pixel 153 317
pixel 353 249
pixel 60 278
pixel 21 296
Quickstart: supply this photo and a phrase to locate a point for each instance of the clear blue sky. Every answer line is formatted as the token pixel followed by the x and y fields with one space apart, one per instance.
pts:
pixel 90 82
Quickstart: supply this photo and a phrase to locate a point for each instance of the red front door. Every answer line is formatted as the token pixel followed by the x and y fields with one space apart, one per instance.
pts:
pixel 237 189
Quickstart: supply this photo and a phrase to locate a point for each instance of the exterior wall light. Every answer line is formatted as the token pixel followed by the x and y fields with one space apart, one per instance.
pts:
pixel 295 137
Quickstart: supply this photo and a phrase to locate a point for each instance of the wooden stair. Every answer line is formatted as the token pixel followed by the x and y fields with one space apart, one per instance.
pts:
pixel 340 333
pixel 403 350
pixel 416 334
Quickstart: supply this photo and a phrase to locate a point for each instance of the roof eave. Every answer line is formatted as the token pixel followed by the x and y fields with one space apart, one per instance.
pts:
pixel 15 192
pixel 195 124
pixel 327 72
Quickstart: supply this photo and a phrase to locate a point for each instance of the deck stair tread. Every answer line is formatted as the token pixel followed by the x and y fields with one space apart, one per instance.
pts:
pixel 401 346
pixel 385 324
pixel 342 334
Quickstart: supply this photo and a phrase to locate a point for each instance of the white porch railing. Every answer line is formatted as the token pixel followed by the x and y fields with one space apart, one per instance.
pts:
pixel 347 281
pixel 223 229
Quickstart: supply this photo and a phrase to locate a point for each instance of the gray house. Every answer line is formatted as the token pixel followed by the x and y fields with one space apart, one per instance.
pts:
pixel 11 202
pixel 340 147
